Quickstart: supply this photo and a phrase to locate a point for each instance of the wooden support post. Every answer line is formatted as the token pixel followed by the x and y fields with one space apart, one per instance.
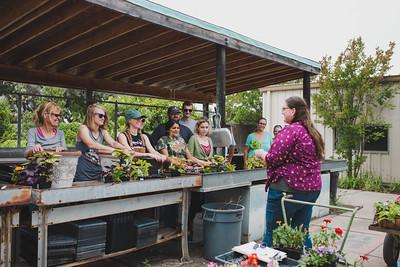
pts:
pixel 221 60
pixel 306 88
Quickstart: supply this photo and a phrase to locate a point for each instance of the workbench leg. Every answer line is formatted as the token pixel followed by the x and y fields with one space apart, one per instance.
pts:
pixel 6 234
pixel 184 221
pixel 42 238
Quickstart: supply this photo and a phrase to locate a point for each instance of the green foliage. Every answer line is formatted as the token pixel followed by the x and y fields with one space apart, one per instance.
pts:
pixel 255 144
pixel 352 97
pixel 324 248
pixel 285 236
pixel 387 210
pixel 365 181
pixel 244 107
pixel 254 162
pixel 37 170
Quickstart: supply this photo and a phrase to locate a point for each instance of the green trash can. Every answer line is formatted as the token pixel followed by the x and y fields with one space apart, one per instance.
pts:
pixel 222 228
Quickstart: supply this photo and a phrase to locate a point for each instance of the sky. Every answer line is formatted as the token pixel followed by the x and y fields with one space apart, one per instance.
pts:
pixel 308 28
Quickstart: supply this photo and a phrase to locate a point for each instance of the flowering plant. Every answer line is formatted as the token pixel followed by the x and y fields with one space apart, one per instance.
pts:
pixel 324 250
pixel 285 236
pixel 126 168
pixel 388 210
pixel 38 169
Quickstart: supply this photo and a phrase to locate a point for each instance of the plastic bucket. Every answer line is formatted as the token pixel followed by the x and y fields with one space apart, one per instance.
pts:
pixel 222 227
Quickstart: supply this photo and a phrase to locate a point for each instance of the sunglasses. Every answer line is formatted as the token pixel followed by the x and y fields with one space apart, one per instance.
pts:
pixel 57 115
pixel 187 110
pixel 101 115
pixel 141 119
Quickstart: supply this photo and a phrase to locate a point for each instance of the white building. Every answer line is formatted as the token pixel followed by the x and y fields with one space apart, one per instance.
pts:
pixel 381 161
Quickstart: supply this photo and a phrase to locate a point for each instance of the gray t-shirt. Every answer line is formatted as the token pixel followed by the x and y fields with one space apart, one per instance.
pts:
pixel 34 137
pixel 190 123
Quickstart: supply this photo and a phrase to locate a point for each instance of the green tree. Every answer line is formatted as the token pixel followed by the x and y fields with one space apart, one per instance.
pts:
pixel 244 107
pixel 351 97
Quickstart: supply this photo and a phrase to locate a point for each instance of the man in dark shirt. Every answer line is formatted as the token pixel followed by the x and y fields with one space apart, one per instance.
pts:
pixel 173 114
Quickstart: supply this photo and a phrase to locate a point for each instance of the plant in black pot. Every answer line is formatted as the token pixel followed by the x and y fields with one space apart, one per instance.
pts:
pixel 288 239
pixel 119 170
pixel 37 172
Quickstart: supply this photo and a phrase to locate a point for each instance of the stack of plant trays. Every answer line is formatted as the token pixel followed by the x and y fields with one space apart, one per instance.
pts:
pixel 90 236
pixel 120 232
pixel 61 248
pixel 146 231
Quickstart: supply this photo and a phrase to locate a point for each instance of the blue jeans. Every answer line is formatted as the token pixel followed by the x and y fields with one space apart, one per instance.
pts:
pixel 297 214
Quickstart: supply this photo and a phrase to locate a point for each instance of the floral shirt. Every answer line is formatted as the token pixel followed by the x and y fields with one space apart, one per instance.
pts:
pixel 293 156
pixel 175 146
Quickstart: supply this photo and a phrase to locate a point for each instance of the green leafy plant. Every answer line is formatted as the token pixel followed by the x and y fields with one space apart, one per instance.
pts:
pixel 37 170
pixel 219 164
pixel 324 250
pixel 352 97
pixel 254 162
pixel 139 168
pixel 126 168
pixel 387 211
pixel 285 236
pixel 255 144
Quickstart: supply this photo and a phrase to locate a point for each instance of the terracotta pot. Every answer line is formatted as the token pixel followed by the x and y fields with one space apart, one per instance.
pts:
pixel 389 224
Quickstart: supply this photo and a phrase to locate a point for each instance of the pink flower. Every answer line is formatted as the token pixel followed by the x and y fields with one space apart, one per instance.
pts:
pixel 398 198
pixel 364 257
pixel 338 231
pixel 323 227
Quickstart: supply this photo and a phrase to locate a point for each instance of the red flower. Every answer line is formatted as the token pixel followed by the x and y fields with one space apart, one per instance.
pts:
pixel 327 220
pixel 338 231
pixel 323 227
pixel 364 257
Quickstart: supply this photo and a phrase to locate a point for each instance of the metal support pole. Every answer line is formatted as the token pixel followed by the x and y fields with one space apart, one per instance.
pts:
pixel 307 88
pixel 184 221
pixel 221 68
pixel 89 97
pixel 6 234
pixel 115 120
pixel 206 110
pixel 286 198
pixel 19 119
pixel 42 238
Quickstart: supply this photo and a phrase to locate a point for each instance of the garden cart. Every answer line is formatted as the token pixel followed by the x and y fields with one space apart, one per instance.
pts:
pixel 288 198
pixel 391 244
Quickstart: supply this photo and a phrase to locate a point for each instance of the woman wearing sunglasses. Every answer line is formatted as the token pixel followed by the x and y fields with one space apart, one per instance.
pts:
pixel 91 135
pixel 259 139
pixel 134 140
pixel 46 135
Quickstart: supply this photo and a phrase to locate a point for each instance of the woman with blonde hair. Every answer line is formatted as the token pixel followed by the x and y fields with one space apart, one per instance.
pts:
pixel 91 135
pixel 45 135
pixel 200 145
pixel 134 140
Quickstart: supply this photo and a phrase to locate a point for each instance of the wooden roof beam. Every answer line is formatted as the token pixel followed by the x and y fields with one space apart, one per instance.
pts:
pixel 141 41
pixel 88 22
pixel 15 14
pixel 122 26
pixel 42 25
pixel 171 50
pixel 19 74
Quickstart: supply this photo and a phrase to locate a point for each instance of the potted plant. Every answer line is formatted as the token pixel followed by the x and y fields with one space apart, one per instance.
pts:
pixel 219 164
pixel 37 172
pixel 387 214
pixel 254 162
pixel 289 240
pixel 324 251
pixel 125 168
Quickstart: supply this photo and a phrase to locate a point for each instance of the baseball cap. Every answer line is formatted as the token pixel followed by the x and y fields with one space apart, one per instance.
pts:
pixel 133 114
pixel 173 110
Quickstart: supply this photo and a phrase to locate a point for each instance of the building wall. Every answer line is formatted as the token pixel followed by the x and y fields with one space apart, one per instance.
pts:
pixel 384 164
